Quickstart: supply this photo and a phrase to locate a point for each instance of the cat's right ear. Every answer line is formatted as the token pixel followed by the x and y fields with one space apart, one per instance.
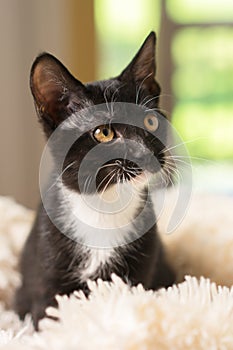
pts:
pixel 142 68
pixel 57 94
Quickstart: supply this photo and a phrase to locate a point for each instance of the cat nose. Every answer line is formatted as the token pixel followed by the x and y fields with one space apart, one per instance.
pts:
pixel 140 154
pixel 145 159
pixel 150 163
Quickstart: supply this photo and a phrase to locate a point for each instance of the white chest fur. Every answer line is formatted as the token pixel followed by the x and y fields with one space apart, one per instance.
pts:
pixel 114 209
pixel 97 258
pixel 100 222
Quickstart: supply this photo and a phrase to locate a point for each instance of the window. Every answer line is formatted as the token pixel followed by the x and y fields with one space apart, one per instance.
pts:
pixel 201 80
pixel 121 26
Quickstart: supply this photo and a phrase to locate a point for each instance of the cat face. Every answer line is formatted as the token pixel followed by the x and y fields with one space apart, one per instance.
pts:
pixel 119 117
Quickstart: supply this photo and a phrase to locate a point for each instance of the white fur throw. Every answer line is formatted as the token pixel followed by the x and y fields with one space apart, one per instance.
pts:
pixel 195 314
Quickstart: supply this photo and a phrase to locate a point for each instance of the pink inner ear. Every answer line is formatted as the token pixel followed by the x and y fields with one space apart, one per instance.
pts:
pixel 56 92
pixel 46 86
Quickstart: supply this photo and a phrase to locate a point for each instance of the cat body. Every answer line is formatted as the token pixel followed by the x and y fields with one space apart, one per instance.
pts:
pixel 73 239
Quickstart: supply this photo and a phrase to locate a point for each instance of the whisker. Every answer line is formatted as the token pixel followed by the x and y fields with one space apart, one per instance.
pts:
pixel 195 158
pixel 158 110
pixel 132 176
pixel 113 95
pixel 105 187
pixel 169 148
pixel 105 178
pixel 105 96
pixel 133 171
pixel 106 166
pixel 167 177
pixel 171 170
pixel 118 185
pixel 164 177
pixel 177 167
pixel 171 164
pixel 142 102
pixel 140 86
pixel 153 98
pixel 173 159
pixel 87 183
pixel 133 168
pixel 59 177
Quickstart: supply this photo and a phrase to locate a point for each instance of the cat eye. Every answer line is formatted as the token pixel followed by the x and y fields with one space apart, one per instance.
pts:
pixel 151 122
pixel 103 133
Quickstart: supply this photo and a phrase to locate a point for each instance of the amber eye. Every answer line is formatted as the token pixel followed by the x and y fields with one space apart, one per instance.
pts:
pixel 103 133
pixel 151 122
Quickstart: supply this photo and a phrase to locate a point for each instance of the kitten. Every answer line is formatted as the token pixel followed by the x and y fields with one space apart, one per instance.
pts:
pixel 71 241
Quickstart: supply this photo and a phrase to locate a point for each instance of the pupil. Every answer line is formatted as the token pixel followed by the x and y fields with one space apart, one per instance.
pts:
pixel 105 132
pixel 150 121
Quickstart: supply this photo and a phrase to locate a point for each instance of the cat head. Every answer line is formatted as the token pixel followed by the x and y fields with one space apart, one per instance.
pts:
pixel 60 99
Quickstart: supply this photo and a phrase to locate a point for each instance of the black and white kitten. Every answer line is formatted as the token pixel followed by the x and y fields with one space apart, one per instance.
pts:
pixel 56 258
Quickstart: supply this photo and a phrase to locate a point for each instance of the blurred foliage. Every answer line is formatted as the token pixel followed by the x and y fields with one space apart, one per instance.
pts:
pixel 207 129
pixel 121 26
pixel 200 11
pixel 203 63
pixel 203 85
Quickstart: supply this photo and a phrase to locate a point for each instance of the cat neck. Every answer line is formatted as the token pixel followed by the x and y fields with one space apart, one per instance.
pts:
pixel 101 216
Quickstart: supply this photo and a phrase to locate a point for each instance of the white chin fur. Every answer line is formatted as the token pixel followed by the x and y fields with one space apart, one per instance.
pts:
pixel 102 219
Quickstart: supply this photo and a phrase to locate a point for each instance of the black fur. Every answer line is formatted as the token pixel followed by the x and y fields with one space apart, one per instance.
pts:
pixel 51 262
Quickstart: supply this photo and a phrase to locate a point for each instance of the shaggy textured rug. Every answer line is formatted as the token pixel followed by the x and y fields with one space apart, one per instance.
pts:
pixel 195 314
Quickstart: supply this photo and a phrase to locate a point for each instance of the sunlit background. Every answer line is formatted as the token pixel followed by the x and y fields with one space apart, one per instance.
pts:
pixel 96 40
pixel 199 78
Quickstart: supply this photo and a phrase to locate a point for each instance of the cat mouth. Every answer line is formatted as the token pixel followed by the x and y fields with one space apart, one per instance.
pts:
pixel 128 170
pixel 124 171
pixel 115 172
pixel 119 171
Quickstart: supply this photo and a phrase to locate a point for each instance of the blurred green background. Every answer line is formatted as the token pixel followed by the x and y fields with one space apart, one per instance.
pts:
pixel 202 54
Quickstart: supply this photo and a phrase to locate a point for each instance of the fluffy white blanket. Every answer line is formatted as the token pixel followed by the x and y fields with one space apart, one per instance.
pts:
pixel 195 314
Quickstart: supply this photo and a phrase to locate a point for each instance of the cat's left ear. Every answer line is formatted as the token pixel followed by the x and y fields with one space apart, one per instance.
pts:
pixel 143 66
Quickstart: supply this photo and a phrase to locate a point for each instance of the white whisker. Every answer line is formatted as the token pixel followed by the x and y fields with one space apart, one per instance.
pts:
pixel 173 159
pixel 105 96
pixel 169 148
pixel 105 178
pixel 142 103
pixel 106 166
pixel 59 177
pixel 105 187
pixel 113 95
pixel 140 86
pixel 87 183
